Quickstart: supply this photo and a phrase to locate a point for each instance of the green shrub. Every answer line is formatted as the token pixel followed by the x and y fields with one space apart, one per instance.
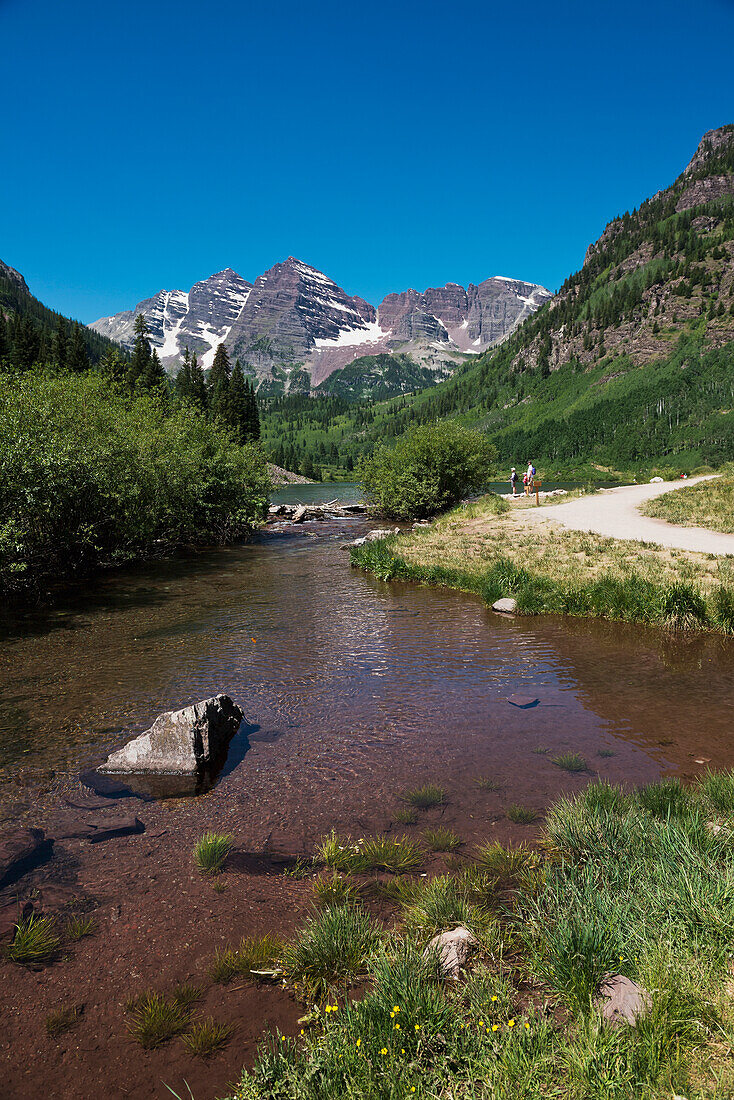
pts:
pixel 211 851
pixel 90 476
pixel 428 470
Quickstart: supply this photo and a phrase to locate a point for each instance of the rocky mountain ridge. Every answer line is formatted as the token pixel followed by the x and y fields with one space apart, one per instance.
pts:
pixel 294 326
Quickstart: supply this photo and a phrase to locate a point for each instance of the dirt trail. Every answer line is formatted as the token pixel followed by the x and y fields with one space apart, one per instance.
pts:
pixel 614 513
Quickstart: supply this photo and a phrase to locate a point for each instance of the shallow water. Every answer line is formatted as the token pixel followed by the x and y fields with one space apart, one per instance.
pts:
pixel 321 654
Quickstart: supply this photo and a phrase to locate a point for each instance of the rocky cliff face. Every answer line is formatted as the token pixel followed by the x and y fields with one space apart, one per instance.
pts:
pixel 200 319
pixel 662 267
pixel 295 326
pixel 471 320
pixel 13 277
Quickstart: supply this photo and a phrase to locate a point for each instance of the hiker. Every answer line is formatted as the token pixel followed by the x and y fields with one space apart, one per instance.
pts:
pixel 513 481
pixel 529 478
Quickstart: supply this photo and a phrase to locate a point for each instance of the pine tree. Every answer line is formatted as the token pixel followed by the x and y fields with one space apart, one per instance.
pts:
pixel 238 405
pixel 77 359
pixel 140 360
pixel 154 376
pixel 253 415
pixel 219 379
pixel 114 365
pixel 198 385
pixel 183 379
pixel 4 341
pixel 26 343
pixel 60 346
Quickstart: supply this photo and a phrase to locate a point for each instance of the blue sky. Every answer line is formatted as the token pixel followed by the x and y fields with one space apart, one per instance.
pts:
pixel 388 144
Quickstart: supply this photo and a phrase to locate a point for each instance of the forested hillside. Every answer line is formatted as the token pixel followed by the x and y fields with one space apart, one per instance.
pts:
pixel 31 333
pixel 631 362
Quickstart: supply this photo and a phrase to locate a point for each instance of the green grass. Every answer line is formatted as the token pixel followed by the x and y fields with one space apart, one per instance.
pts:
pixel 550 570
pixel 425 797
pixel 35 944
pixel 485 783
pixel 258 953
pixel 330 952
pixel 441 903
pixel 62 1020
pixel 211 851
pixel 386 853
pixel 570 762
pixel 521 815
pixel 709 504
pixel 441 840
pixel 156 1018
pixel 406 816
pixel 207 1037
pixel 621 883
pixel 334 890
pixel 78 928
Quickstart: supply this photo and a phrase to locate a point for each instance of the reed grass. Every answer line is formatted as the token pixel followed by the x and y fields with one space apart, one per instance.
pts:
pixel 211 851
pixel 425 797
pixel 35 944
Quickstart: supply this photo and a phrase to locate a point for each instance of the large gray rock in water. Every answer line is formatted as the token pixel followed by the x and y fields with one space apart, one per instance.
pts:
pixel 452 950
pixel 622 999
pixel 180 742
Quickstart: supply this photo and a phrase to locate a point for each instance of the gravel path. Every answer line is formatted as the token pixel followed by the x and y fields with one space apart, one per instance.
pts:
pixel 614 512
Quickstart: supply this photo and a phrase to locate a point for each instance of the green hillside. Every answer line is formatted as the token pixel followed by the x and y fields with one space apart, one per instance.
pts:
pixel 31 333
pixel 631 362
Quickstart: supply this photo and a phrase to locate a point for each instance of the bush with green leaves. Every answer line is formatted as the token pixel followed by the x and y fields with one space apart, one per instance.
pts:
pixel 91 476
pixel 428 470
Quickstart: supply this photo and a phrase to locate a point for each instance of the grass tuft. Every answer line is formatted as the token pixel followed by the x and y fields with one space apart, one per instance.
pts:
pixel 385 853
pixel 486 784
pixel 253 953
pixel 336 890
pixel 156 1019
pixel 77 928
pixel 330 951
pixel 63 1019
pixel 441 840
pixel 406 816
pixel 521 815
pixel 425 797
pixel 570 762
pixel 35 943
pixel 207 1037
pixel 211 851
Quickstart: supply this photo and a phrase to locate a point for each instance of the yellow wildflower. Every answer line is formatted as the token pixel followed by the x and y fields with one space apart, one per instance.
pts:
pixel 359 1042
pixel 510 1023
pixel 495 1027
pixel 384 1050
pixel 397 1027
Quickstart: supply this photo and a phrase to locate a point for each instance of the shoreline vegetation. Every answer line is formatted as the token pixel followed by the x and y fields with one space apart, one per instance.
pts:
pixel 489 549
pixel 633 884
pixel 93 475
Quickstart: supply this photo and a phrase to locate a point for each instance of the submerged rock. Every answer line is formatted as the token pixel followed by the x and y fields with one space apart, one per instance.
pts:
pixel 452 950
pixel 19 848
pixel 622 999
pixel 507 604
pixel 180 742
